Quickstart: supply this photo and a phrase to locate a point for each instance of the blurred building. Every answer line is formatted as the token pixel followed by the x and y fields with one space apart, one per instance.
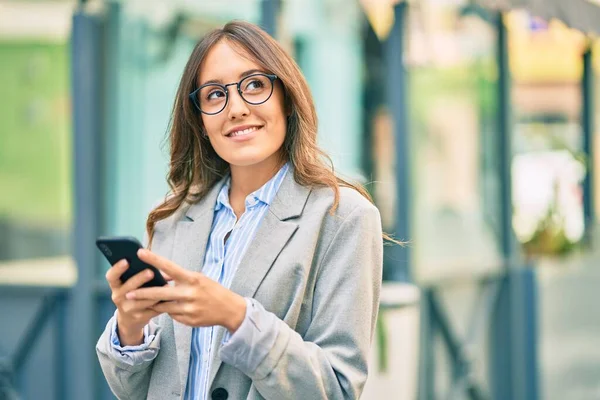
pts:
pixel 451 77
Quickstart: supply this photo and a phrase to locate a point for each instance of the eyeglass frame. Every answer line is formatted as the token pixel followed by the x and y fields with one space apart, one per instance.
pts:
pixel 193 97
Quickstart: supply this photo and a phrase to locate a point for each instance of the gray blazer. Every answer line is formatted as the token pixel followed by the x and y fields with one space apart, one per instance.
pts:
pixel 320 274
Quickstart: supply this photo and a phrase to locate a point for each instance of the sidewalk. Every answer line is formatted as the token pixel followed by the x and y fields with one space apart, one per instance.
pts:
pixel 570 328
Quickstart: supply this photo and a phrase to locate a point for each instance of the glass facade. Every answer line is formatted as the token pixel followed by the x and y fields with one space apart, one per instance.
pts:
pixel 452 76
pixel 452 85
pixel 35 142
pixel 146 48
pixel 548 164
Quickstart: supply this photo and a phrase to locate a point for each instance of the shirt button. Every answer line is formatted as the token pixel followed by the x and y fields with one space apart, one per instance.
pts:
pixel 219 394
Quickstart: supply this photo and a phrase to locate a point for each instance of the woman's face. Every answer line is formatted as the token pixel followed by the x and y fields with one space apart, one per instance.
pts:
pixel 242 134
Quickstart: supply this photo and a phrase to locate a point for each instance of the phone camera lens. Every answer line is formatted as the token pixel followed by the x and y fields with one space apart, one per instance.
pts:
pixel 106 250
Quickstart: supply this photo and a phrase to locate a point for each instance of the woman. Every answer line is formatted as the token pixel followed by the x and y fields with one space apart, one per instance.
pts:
pixel 275 263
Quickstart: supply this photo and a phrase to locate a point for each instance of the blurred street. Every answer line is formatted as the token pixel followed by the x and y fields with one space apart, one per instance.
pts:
pixel 569 326
pixel 474 125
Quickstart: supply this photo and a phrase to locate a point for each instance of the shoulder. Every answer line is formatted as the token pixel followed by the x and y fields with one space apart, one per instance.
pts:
pixel 354 228
pixel 351 202
pixel 177 215
pixel 354 215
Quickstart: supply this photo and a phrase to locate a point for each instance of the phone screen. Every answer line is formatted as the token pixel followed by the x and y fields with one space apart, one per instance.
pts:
pixel 118 248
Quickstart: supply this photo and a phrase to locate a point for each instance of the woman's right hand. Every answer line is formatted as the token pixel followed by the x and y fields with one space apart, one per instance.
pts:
pixel 132 315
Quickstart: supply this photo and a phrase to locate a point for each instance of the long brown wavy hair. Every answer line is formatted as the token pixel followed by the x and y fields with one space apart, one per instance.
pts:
pixel 195 166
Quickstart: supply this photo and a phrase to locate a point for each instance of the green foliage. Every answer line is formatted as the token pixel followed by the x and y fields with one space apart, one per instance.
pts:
pixel 35 132
pixel 382 340
pixel 549 237
pixel 477 81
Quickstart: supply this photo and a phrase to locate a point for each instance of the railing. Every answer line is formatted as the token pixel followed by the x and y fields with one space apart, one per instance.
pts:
pixel 52 307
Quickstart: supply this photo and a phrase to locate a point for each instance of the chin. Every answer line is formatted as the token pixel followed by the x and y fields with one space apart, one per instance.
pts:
pixel 249 160
pixel 246 161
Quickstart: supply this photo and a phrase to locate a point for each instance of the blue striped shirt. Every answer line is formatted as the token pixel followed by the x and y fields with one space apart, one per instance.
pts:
pixel 220 264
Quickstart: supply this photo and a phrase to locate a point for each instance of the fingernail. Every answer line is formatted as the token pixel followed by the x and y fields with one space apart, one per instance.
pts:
pixel 130 295
pixel 149 274
pixel 141 252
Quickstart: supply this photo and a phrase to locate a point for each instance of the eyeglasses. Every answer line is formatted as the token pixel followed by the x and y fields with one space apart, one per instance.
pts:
pixel 212 98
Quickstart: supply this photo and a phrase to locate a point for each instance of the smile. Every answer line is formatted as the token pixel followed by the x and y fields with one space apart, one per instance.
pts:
pixel 243 132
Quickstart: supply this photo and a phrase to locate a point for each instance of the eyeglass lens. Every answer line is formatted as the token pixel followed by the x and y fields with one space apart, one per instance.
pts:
pixel 255 89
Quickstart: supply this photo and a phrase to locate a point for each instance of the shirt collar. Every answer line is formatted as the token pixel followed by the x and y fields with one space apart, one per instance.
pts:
pixel 265 194
pixel 223 197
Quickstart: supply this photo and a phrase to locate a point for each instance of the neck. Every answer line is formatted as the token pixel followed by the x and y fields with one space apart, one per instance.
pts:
pixel 245 180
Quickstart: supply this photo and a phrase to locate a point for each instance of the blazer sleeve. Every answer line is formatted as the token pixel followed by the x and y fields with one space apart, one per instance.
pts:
pixel 330 361
pixel 128 377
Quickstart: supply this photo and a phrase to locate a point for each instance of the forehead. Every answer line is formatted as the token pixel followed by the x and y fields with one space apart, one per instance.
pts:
pixel 225 62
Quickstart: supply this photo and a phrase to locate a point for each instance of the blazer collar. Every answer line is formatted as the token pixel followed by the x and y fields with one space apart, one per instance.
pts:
pixel 275 231
pixel 191 238
pixel 290 199
pixel 207 203
pixel 288 203
pixel 189 246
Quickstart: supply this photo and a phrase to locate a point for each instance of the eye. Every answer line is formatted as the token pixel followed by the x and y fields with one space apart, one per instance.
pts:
pixel 215 94
pixel 254 84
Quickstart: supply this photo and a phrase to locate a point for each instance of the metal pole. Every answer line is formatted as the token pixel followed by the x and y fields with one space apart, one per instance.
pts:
pixel 587 126
pixel 508 245
pixel 109 174
pixel 269 12
pixel 500 341
pixel 513 336
pixel 398 258
pixel 60 351
pixel 428 328
pixel 86 61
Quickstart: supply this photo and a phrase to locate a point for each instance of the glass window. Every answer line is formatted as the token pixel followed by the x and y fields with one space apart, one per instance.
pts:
pixel 35 143
pixel 453 77
pixel 548 165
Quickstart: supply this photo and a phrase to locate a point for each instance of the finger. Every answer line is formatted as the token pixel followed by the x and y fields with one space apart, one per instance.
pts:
pixel 138 305
pixel 170 307
pixel 114 273
pixel 166 276
pixel 137 280
pixel 173 270
pixel 164 293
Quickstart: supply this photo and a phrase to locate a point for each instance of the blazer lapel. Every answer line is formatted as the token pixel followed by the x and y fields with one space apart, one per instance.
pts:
pixel 189 248
pixel 274 232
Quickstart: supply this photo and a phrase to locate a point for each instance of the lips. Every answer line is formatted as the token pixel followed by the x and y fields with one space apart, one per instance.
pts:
pixel 242 131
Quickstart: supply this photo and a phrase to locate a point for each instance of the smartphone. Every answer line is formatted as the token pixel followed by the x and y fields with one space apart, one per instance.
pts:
pixel 117 248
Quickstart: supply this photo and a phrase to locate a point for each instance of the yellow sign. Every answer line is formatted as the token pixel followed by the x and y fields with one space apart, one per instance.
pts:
pixel 547 55
pixel 380 14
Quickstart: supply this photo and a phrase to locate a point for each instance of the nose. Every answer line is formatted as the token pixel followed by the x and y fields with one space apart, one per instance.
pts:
pixel 238 108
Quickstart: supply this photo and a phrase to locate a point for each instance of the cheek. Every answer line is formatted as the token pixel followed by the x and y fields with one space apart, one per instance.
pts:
pixel 277 132
pixel 210 125
pixel 279 123
pixel 278 120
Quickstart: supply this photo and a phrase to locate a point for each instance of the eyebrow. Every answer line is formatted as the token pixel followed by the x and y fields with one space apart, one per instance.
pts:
pixel 242 75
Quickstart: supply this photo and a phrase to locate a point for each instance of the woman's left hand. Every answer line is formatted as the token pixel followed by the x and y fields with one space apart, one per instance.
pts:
pixel 195 300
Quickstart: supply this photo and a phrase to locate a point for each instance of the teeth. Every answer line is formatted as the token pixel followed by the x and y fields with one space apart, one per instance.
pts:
pixel 244 132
